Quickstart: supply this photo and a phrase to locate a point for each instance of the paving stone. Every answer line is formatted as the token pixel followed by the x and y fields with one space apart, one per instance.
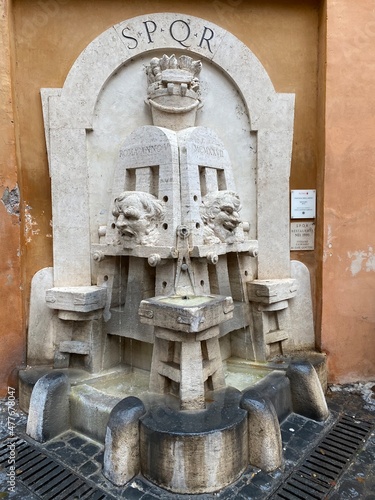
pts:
pixel 132 494
pixel 276 474
pixel 105 484
pixel 72 458
pixel 99 457
pixel 286 436
pixel 250 491
pixel 306 435
pixel 77 442
pixel 295 421
pixel 247 476
pixel 68 435
pixel 313 427
pixel 298 444
pixel 55 445
pixel 262 480
pixel 292 455
pixel 88 468
pixel 91 449
pixel 228 494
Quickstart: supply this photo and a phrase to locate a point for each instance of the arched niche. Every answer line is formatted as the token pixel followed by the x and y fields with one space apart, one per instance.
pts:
pixel 71 123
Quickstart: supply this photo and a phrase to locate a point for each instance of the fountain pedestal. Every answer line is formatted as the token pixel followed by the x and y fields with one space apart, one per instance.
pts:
pixel 186 355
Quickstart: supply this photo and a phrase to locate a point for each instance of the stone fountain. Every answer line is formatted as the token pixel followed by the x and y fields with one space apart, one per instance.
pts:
pixel 159 295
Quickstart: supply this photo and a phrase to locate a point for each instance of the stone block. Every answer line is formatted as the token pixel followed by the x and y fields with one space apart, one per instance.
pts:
pixel 49 407
pixel 76 298
pixel 74 347
pixel 271 291
pixel 42 320
pixel 70 203
pixel 273 167
pixel 301 310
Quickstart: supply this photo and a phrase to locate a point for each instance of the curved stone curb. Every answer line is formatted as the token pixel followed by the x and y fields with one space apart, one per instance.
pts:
pixel 121 454
pixel 265 445
pixel 307 393
pixel 49 413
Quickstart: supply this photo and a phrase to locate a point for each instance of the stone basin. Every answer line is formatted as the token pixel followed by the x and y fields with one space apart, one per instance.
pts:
pixel 195 452
pixel 187 300
pixel 186 313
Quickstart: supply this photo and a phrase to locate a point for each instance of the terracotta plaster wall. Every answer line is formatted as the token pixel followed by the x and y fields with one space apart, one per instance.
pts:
pixel 348 301
pixel 50 34
pixel 319 234
pixel 12 336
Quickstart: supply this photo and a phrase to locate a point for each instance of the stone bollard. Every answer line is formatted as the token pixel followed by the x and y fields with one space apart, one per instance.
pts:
pixel 307 393
pixel 121 453
pixel 265 445
pixel 49 413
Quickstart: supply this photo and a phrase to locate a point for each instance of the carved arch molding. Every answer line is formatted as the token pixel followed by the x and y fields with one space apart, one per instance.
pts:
pixel 69 114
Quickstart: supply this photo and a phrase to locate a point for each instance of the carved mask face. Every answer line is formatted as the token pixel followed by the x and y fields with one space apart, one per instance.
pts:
pixel 227 215
pixel 224 217
pixel 221 218
pixel 133 222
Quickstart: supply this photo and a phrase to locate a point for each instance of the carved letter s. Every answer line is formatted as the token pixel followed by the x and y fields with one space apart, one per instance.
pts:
pixel 130 38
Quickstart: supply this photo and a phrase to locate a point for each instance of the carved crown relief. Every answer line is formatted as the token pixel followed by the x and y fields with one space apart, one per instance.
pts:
pixel 173 76
pixel 173 88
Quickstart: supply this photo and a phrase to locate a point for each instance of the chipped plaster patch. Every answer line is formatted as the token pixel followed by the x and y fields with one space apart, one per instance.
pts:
pixel 362 261
pixel 370 263
pixel 30 223
pixel 11 200
pixel 328 253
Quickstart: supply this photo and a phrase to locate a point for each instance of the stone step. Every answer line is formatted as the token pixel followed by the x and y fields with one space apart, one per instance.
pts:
pixel 75 347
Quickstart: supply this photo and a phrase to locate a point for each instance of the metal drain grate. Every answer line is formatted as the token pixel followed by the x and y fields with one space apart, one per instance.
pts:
pixel 318 473
pixel 44 476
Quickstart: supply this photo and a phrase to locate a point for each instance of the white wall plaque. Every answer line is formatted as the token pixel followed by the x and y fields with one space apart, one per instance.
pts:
pixel 302 235
pixel 303 202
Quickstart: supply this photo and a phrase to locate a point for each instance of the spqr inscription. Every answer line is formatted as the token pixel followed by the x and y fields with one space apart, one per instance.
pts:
pixel 179 30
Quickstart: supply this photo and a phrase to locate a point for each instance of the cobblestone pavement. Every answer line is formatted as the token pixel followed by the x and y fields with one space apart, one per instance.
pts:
pixel 300 436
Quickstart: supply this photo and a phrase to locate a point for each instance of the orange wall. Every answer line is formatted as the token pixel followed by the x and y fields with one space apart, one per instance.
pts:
pixel 348 305
pixel 319 234
pixel 12 331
